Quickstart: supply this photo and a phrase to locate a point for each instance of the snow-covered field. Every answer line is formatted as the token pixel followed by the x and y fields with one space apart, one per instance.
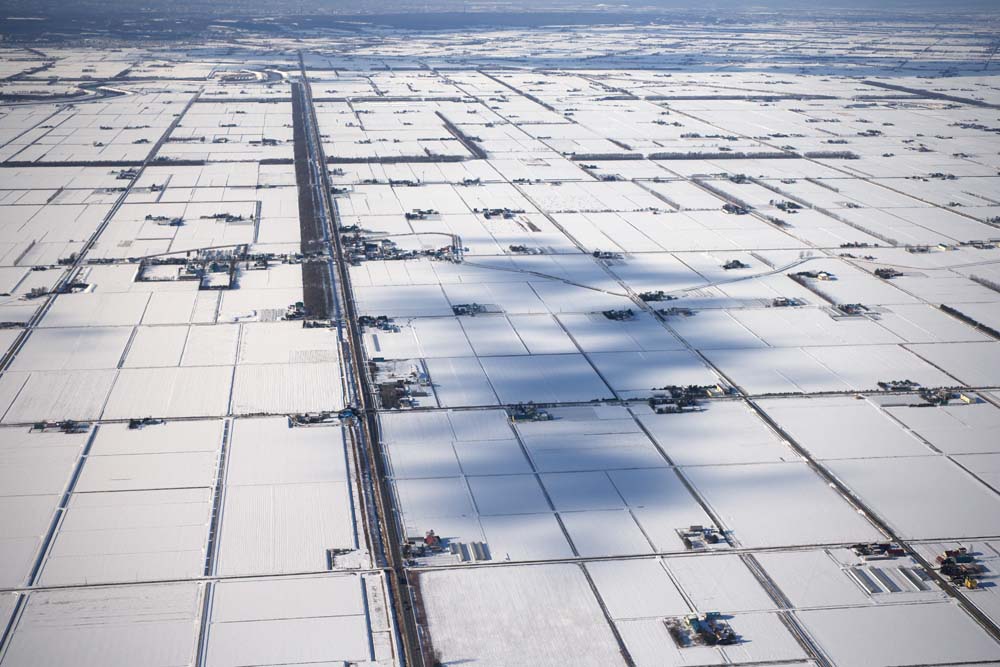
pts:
pixel 658 320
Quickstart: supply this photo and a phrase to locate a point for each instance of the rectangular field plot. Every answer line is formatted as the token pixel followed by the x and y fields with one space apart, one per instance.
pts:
pixel 287 499
pixel 843 427
pixel 130 536
pixel 170 392
pixel 594 332
pixel 974 364
pixel 954 429
pixel 286 343
pixel 556 378
pixel 637 374
pixel 776 504
pixel 822 369
pixel 460 381
pixel 171 455
pixel 855 636
pixel 532 602
pixel 37 462
pixel 286 388
pixel 897 490
pixel 156 625
pixel 29 397
pixel 566 452
pixel 806 327
pixel 25 521
pixel 94 309
pixel 73 349
pixel 318 619
pixel 723 432
pixel 588 528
